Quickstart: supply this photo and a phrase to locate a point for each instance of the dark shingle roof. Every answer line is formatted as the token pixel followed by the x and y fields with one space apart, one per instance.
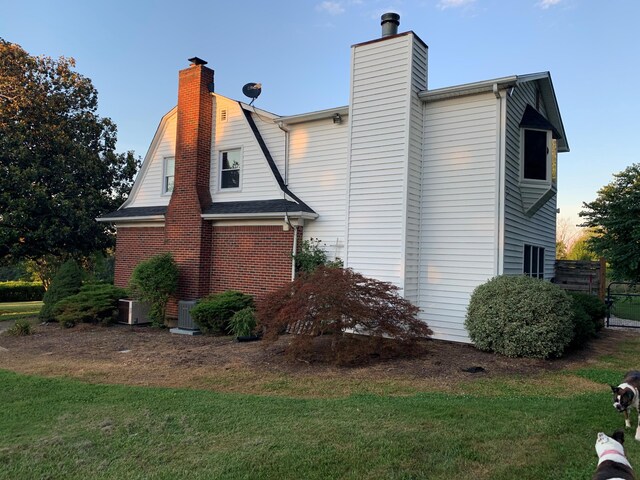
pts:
pixel 533 119
pixel 135 212
pixel 256 206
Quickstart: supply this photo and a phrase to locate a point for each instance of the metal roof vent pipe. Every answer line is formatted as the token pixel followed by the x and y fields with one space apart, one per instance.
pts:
pixel 389 22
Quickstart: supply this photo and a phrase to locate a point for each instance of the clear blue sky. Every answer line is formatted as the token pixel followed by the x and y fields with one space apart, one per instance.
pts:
pixel 300 51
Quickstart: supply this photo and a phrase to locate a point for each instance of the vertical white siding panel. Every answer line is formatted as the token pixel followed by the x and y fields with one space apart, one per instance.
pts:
pixel 458 221
pixel 539 229
pixel 414 172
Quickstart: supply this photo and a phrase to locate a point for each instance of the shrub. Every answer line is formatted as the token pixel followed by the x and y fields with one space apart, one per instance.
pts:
pixel 593 306
pixel 20 328
pixel 242 323
pixel 337 303
pixel 154 281
pixel 21 291
pixel 213 313
pixel 311 256
pixel 519 316
pixel 94 303
pixel 66 282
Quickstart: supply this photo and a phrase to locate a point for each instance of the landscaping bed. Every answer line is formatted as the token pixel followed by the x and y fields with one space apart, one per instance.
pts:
pixel 154 357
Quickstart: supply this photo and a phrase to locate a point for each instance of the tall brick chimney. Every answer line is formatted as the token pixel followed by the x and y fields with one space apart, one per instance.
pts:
pixel 187 236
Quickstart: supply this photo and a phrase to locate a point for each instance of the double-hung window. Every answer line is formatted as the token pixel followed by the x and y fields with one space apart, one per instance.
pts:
pixel 230 166
pixel 533 264
pixel 168 175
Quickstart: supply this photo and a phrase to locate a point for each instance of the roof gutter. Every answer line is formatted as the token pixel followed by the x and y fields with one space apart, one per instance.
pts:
pixel 491 86
pixel 267 215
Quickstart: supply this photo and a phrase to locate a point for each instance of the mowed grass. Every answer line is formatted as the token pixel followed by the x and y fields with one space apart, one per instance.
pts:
pixel 19 310
pixel 507 428
pixel 627 307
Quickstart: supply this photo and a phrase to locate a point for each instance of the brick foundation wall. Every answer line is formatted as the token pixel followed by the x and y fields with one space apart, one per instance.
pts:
pixel 134 244
pixel 252 259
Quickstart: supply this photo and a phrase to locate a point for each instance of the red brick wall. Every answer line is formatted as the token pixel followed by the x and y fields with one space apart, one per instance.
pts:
pixel 187 236
pixel 254 260
pixel 134 244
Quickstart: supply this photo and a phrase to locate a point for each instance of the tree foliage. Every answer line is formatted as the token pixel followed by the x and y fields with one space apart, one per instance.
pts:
pixel 615 219
pixel 58 167
pixel 335 303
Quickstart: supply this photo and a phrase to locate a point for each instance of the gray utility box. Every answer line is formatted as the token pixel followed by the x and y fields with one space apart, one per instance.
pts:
pixel 133 312
pixel 186 325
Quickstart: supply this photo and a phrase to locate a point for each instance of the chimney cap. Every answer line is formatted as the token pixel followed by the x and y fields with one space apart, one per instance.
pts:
pixel 197 61
pixel 390 17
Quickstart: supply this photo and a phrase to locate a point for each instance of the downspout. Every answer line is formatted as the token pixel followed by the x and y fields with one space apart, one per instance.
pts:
pixel 499 177
pixel 286 151
pixel 286 183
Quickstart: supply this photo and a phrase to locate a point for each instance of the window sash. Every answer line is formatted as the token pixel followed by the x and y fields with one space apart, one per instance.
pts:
pixel 230 169
pixel 169 175
pixel 533 261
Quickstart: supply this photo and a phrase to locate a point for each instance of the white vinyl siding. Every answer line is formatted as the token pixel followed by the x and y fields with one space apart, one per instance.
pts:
pixel 379 123
pixel 258 182
pixel 519 229
pixel 149 189
pixel 318 176
pixel 414 173
pixel 458 218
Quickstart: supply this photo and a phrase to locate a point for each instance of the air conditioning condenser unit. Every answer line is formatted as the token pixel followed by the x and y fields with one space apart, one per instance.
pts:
pixel 133 312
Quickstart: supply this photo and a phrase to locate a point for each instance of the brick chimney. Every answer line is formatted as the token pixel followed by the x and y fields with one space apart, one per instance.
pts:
pixel 187 236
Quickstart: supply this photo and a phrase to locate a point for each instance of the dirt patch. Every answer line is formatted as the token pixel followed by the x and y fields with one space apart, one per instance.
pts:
pixel 152 357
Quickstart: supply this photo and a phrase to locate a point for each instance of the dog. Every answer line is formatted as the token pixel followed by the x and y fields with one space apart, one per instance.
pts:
pixel 625 397
pixel 612 463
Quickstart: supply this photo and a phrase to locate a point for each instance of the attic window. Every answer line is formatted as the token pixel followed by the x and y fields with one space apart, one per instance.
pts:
pixel 230 169
pixel 223 115
pixel 168 175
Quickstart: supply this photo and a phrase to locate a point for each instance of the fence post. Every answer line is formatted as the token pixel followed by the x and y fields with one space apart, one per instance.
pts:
pixel 603 278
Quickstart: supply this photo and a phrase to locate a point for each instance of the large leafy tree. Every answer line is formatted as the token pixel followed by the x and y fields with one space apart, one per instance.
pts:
pixel 58 167
pixel 615 219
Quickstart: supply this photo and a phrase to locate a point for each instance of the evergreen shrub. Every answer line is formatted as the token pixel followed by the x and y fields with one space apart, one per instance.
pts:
pixel 66 282
pixel 519 316
pixel 213 313
pixel 95 303
pixel 242 323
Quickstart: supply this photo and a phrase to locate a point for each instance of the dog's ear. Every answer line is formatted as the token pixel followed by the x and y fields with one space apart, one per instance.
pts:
pixel 618 436
pixel 614 389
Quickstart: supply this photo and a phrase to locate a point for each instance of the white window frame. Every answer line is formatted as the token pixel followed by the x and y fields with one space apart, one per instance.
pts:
pixel 536 267
pixel 165 175
pixel 221 152
pixel 549 173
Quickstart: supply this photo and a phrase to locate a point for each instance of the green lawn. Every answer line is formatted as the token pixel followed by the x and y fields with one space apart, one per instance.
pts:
pixel 19 310
pixel 506 429
pixel 627 307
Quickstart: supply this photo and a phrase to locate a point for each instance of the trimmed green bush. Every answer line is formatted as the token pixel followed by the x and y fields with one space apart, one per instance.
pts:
pixel 154 281
pixel 20 328
pixel 95 303
pixel 21 291
pixel 519 316
pixel 593 306
pixel 311 256
pixel 243 323
pixel 213 313
pixel 66 282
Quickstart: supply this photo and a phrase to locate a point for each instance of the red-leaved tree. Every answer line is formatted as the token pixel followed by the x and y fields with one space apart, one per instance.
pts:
pixel 357 317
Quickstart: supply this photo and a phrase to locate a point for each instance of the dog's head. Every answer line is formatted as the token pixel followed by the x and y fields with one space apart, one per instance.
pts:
pixel 623 396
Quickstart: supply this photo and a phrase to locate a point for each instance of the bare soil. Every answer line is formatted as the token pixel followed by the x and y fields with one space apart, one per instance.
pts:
pixel 147 356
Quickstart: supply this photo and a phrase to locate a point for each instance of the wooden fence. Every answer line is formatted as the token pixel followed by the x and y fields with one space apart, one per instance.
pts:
pixel 582 276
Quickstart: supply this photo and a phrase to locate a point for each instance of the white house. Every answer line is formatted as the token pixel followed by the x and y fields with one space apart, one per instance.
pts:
pixel 435 191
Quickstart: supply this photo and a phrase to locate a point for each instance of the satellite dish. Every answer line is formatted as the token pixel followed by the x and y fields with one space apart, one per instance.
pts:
pixel 252 90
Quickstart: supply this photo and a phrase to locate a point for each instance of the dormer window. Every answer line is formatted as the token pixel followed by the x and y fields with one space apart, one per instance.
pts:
pixel 168 175
pixel 538 147
pixel 230 169
pixel 536 154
